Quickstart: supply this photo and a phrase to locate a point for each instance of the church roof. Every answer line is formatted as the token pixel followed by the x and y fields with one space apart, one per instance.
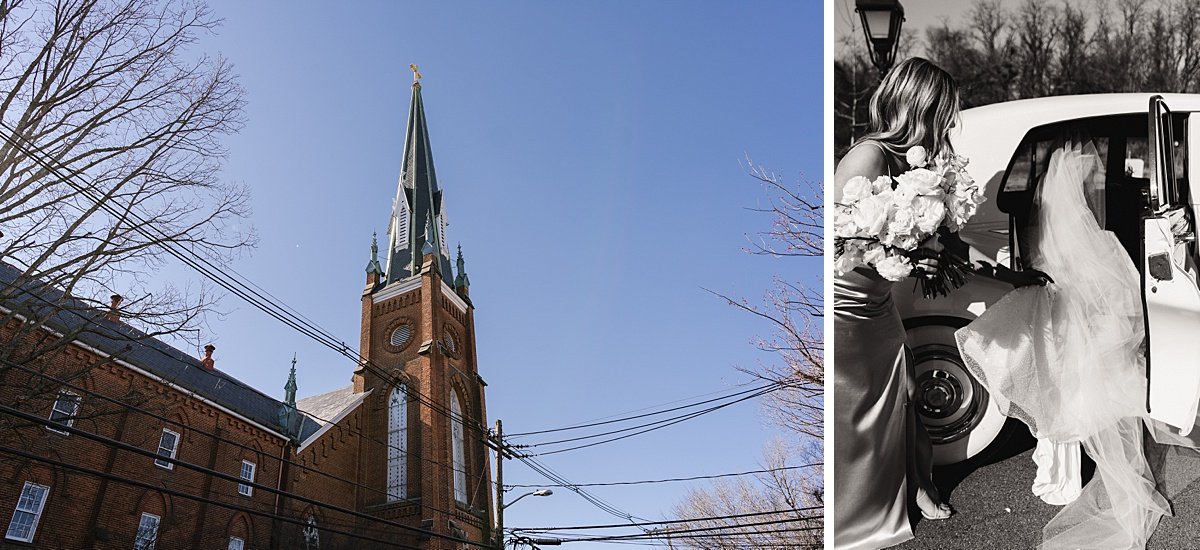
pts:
pixel 147 353
pixel 327 409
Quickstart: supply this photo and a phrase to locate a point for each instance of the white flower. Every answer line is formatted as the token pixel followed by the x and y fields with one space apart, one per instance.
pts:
pixel 874 253
pixel 902 223
pixel 856 189
pixel 871 213
pixel 929 212
pixel 922 180
pixel 916 156
pixel 850 258
pixel 881 184
pixel 894 268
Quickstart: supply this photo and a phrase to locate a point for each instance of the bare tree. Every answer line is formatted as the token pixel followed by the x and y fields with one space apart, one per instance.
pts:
pixel 109 154
pixel 785 502
pixel 792 498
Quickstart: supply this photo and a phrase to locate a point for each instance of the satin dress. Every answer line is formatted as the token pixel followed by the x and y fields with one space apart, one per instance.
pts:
pixel 871 435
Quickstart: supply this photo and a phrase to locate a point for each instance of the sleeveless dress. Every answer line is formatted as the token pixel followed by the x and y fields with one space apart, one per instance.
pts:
pixel 871 424
pixel 870 388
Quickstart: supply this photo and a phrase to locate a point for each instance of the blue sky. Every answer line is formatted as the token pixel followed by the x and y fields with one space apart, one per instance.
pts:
pixel 590 156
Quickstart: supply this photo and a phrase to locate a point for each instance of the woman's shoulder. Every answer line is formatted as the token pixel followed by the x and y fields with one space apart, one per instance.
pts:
pixel 866 158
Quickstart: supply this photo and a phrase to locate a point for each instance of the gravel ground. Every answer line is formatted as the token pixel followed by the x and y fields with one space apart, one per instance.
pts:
pixel 995 509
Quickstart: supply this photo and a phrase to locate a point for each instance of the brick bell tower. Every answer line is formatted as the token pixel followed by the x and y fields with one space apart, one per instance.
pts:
pixel 427 398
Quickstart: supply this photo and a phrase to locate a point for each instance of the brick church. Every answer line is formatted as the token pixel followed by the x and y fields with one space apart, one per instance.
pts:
pixel 119 440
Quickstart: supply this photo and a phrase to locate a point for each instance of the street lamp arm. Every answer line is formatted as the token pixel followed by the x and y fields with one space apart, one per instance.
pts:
pixel 537 493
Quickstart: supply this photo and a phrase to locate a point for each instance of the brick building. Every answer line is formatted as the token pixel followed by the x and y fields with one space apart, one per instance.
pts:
pixel 119 440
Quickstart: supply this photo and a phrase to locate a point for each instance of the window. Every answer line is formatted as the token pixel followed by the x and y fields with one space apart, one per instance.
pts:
pixel 312 538
pixel 457 445
pixel 397 443
pixel 236 543
pixel 167 446
pixel 147 533
pixel 64 410
pixel 29 510
pixel 248 475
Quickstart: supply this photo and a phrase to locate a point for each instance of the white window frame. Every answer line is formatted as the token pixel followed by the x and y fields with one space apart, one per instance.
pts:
pixel 171 453
pixel 243 489
pixel 139 543
pixel 236 543
pixel 397 444
pixel 458 446
pixel 68 418
pixel 35 510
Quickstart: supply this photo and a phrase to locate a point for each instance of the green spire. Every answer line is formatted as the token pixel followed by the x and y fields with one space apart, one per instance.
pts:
pixel 289 417
pixel 373 265
pixel 461 281
pixel 419 203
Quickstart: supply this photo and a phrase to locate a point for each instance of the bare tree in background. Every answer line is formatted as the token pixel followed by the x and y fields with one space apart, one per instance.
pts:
pixel 792 491
pixel 798 524
pixel 109 152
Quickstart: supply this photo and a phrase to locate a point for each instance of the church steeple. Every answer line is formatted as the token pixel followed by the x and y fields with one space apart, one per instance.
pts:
pixel 418 203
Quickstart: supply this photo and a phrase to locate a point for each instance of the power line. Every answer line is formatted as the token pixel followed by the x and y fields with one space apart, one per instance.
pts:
pixel 673 479
pixel 706 532
pixel 659 424
pixel 617 420
pixel 672 521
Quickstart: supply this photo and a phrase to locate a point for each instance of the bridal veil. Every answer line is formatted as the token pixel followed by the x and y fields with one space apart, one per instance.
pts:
pixel 1067 358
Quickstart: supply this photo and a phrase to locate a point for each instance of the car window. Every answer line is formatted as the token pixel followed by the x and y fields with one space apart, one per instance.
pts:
pixel 1118 196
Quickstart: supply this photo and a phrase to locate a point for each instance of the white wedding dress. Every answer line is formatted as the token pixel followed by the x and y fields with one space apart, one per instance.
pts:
pixel 1067 360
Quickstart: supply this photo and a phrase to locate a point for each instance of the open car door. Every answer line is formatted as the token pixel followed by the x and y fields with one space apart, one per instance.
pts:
pixel 1169 280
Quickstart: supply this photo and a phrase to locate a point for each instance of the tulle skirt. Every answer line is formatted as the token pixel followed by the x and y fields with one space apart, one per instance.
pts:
pixel 1072 376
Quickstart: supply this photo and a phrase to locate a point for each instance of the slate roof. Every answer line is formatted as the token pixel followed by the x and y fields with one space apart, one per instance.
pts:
pixel 323 409
pixel 147 353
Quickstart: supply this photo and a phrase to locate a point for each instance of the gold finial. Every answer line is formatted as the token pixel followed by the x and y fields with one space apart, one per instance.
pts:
pixel 416 73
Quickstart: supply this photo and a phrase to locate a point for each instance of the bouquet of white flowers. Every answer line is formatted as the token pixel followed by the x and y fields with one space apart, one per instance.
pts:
pixel 883 223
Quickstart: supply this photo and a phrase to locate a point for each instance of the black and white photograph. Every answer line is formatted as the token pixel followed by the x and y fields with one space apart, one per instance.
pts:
pixel 1016 360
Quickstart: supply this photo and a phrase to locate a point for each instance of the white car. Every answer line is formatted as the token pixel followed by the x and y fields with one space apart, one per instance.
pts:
pixel 1008 145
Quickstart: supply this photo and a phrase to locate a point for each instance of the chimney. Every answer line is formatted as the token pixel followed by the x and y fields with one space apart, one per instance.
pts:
pixel 114 314
pixel 208 361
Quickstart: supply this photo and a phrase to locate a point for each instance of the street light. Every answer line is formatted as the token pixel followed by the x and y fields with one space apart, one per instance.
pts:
pixel 537 493
pixel 881 20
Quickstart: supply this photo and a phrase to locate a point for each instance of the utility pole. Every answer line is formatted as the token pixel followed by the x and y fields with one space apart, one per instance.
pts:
pixel 499 485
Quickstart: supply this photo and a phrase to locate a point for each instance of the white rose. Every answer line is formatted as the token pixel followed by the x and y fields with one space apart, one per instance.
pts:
pixel 902 223
pixel 929 212
pixel 871 213
pixel 922 180
pixel 881 184
pixel 856 189
pixel 916 156
pixel 894 268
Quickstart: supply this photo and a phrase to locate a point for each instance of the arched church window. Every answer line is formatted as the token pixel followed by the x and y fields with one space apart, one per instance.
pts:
pixel 458 445
pixel 312 537
pixel 397 444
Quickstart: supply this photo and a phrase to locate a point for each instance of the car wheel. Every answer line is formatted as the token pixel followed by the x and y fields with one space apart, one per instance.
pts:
pixel 961 419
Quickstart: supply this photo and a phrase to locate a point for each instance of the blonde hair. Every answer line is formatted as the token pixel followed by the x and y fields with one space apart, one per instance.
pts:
pixel 916 104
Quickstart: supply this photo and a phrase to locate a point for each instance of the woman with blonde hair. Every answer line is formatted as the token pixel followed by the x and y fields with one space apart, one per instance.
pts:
pixel 882 453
